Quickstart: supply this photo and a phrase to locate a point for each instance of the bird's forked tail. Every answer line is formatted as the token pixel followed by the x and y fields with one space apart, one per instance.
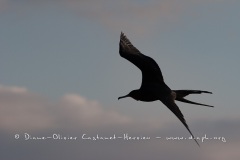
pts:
pixel 180 94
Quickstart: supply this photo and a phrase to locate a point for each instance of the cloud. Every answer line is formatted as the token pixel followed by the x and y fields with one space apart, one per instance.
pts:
pixel 87 113
pixel 128 15
pixel 4 5
pixel 12 89
pixel 222 152
pixel 24 111
pixel 21 109
pixel 118 15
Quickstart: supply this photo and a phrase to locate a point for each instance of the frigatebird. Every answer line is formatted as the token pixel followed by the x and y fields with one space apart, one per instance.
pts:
pixel 153 86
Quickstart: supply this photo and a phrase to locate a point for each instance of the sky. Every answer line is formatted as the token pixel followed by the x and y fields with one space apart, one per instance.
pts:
pixel 61 74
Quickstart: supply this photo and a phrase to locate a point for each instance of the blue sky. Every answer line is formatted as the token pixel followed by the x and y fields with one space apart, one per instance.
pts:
pixel 66 50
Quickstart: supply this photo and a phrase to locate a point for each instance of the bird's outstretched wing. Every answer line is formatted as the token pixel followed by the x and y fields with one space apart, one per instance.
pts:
pixel 151 72
pixel 174 108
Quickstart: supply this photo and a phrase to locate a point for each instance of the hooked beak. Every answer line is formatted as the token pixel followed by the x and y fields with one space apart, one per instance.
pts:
pixel 123 97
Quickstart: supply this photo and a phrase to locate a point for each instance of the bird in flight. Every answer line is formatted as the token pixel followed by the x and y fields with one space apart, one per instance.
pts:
pixel 153 86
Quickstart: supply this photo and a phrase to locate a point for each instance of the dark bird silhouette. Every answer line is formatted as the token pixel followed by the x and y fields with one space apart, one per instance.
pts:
pixel 153 86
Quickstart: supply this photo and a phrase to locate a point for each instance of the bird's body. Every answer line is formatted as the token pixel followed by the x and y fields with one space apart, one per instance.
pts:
pixel 153 86
pixel 149 93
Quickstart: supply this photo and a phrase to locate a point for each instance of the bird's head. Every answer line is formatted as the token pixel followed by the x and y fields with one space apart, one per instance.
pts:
pixel 133 94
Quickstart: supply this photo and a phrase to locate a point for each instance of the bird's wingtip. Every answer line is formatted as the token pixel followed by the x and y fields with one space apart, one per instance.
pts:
pixel 207 92
pixel 122 35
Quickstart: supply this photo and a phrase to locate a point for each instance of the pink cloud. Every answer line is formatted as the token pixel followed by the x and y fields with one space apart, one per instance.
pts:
pixel 129 16
pixel 125 15
pixel 4 5
pixel 21 109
